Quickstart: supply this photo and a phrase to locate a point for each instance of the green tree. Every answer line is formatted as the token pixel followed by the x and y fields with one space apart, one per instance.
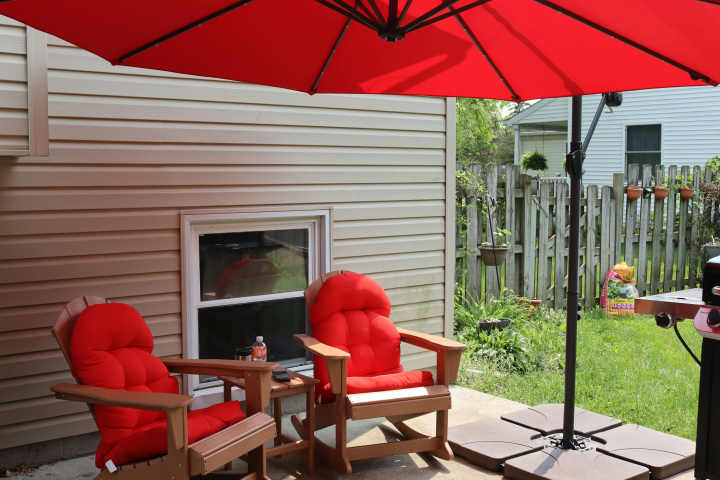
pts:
pixel 479 124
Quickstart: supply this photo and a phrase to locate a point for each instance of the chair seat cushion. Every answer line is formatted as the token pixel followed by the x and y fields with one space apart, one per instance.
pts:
pixel 378 383
pixel 150 440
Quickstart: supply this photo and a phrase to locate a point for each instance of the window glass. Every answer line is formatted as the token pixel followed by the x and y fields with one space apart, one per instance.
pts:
pixel 223 330
pixel 643 144
pixel 245 264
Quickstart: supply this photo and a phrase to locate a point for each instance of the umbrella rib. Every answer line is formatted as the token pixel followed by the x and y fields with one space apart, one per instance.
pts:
pixel 414 26
pixel 349 12
pixel 404 11
pixel 445 4
pixel 473 37
pixel 378 13
pixel 313 89
pixel 181 30
pixel 712 2
pixel 695 75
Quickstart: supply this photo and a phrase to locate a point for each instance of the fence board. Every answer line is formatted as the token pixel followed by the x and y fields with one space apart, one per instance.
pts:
pixel 590 232
pixel 641 269
pixel 694 228
pixel 670 222
pixel 561 196
pixel 619 196
pixel 658 211
pixel 492 278
pixel 682 236
pixel 607 222
pixel 630 217
pixel 529 234
pixel 543 269
pixel 511 276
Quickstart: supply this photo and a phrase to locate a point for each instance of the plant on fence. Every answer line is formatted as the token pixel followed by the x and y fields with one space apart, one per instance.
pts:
pixel 493 253
pixel 661 189
pixel 469 188
pixel 534 161
pixel 710 220
pixel 633 192
pixel 685 185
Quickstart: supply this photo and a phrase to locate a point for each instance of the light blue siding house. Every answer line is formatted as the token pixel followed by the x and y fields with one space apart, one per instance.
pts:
pixel 671 126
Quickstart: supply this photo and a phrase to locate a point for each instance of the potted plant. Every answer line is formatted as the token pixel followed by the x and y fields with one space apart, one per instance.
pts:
pixel 534 161
pixel 494 254
pixel 493 323
pixel 661 190
pixel 633 192
pixel 685 186
pixel 532 303
pixel 710 219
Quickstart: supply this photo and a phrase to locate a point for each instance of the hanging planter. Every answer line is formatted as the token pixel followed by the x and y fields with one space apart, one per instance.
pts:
pixel 633 192
pixel 661 192
pixel 686 193
pixel 493 323
pixel 493 255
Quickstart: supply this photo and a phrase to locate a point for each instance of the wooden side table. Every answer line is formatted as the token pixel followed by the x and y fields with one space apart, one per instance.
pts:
pixel 298 384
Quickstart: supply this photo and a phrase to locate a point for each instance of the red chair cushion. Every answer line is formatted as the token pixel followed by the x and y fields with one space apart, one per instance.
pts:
pixel 150 440
pixel 379 383
pixel 351 313
pixel 111 347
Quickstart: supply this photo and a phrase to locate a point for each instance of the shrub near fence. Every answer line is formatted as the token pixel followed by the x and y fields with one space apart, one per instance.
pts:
pixel 664 234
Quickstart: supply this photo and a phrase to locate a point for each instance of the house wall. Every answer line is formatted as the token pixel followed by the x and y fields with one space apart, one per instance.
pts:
pixel 130 149
pixel 550 144
pixel 13 86
pixel 690 132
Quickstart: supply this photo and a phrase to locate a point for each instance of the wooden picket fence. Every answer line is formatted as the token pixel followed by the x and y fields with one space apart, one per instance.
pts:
pixel 661 234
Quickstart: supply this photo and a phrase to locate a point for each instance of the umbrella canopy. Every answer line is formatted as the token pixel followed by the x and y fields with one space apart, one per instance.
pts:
pixel 503 49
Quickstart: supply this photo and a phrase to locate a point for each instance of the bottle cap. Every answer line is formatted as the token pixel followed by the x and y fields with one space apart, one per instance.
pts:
pixel 259 338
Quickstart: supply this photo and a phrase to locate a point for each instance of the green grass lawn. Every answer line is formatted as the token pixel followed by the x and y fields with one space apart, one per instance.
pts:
pixel 626 368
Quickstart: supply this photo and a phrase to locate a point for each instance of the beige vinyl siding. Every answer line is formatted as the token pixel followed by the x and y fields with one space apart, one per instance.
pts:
pixel 130 149
pixel 13 87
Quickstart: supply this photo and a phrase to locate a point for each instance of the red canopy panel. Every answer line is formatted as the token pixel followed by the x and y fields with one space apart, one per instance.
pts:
pixel 527 48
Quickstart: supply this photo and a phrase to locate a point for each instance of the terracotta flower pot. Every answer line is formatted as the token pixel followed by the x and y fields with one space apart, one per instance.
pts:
pixel 661 192
pixel 633 192
pixel 686 193
pixel 493 256
pixel 532 303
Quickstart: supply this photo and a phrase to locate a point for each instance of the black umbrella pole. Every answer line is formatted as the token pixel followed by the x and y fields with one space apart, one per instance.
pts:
pixel 575 169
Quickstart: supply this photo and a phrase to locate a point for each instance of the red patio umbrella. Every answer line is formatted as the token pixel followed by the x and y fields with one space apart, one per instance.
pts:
pixel 503 49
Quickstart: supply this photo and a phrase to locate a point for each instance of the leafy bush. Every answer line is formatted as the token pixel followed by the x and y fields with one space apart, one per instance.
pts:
pixel 534 161
pixel 528 344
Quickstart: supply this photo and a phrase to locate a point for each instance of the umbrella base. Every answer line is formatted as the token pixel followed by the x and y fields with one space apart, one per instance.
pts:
pixel 559 464
pixel 664 454
pixel 548 418
pixel 490 442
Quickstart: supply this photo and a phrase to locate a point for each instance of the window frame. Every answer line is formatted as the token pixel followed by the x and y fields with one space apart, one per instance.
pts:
pixel 317 222
pixel 659 151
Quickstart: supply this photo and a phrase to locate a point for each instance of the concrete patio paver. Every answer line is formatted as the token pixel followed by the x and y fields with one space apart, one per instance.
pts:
pixel 468 405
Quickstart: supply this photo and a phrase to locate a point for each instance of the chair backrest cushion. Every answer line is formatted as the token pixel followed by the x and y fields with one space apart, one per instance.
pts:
pixel 111 347
pixel 351 312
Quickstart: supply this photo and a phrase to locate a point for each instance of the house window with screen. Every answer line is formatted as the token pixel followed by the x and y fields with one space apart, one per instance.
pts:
pixel 244 276
pixel 643 145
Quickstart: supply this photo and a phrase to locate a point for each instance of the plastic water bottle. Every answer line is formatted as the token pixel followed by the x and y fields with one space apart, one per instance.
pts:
pixel 259 350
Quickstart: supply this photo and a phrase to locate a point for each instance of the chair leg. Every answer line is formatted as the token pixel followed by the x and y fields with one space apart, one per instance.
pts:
pixel 257 461
pixel 441 431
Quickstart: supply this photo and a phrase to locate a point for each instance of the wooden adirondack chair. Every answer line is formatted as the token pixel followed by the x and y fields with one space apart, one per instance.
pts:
pixel 156 405
pixel 356 351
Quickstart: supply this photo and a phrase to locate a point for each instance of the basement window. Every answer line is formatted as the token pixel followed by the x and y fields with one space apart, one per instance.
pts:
pixel 244 275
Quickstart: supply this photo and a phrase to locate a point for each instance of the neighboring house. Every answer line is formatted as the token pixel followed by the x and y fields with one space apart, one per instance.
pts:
pixel 133 184
pixel 671 126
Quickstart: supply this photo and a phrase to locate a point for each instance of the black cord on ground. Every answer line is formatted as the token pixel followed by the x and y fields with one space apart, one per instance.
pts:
pixel 677 332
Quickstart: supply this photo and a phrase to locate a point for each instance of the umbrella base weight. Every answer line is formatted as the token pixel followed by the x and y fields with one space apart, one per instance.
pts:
pixel 526 445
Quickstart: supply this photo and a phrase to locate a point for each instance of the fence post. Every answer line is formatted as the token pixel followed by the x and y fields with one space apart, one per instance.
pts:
pixel 658 214
pixel 529 228
pixel 590 232
pixel 471 244
pixel 543 271
pixel 607 223
pixel 561 197
pixel 670 230
pixel 642 265
pixel 630 217
pixel 492 286
pixel 511 277
pixel 682 236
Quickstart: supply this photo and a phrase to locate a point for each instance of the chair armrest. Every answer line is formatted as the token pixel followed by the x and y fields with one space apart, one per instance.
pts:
pixel 335 360
pixel 122 398
pixel 429 342
pixel 228 368
pixel 318 348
